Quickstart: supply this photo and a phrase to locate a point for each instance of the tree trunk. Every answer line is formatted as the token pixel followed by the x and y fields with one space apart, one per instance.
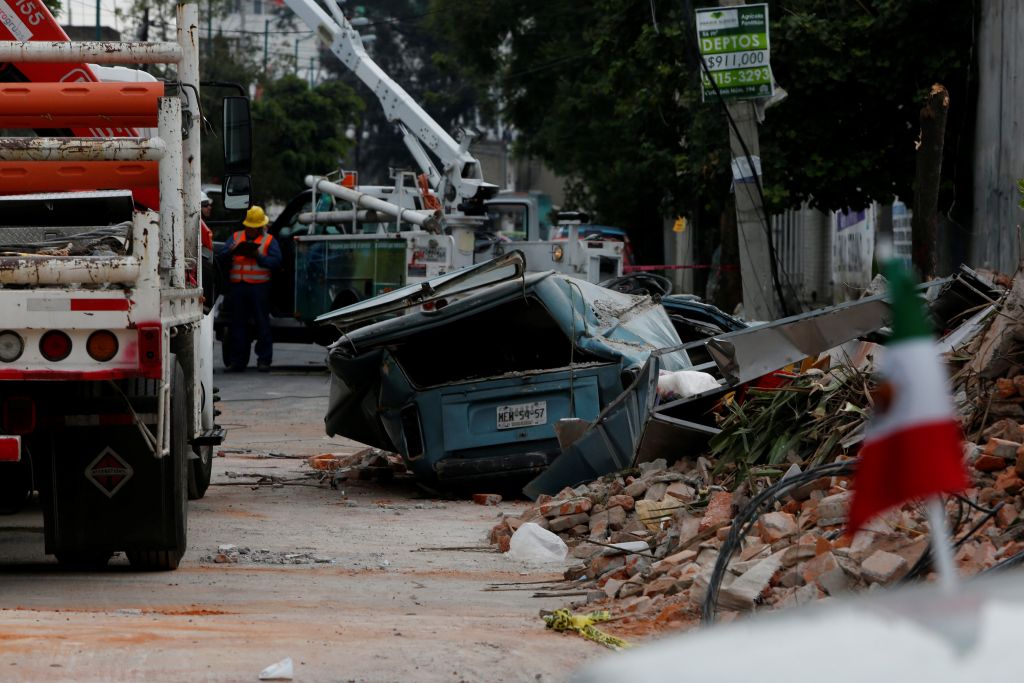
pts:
pixel 924 226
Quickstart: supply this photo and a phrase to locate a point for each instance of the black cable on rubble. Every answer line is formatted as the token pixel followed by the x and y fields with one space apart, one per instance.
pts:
pixel 745 520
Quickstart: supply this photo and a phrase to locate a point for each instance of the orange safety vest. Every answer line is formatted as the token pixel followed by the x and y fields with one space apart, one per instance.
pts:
pixel 245 268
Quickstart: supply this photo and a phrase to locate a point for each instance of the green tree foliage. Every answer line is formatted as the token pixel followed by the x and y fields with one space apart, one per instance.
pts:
pixel 299 130
pixel 605 92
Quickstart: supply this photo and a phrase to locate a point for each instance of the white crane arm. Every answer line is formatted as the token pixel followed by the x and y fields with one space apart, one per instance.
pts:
pixel 461 178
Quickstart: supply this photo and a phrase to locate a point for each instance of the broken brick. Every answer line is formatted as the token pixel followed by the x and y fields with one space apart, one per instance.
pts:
pixel 561 508
pixel 616 517
pixel 486 498
pixel 1009 482
pixel 656 491
pixel 883 567
pixel 989 463
pixel 775 526
pixel 1001 448
pixel 568 521
pixel 1005 388
pixel 718 512
pixel 747 590
pixel 623 501
pixel 833 509
pixel 1006 429
pixel 1006 516
pixel 681 491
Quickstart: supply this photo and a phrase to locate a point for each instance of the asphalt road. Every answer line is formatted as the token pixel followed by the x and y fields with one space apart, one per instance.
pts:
pixel 338 580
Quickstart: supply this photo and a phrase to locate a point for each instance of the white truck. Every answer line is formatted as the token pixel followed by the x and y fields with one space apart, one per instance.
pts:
pixel 106 395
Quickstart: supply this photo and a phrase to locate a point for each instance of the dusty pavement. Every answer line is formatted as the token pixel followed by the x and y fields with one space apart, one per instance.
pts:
pixel 362 604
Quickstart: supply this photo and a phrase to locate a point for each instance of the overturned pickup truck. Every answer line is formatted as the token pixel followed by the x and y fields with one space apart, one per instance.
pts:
pixel 467 374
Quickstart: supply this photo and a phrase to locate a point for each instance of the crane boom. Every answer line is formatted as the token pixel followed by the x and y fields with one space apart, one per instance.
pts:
pixel 460 183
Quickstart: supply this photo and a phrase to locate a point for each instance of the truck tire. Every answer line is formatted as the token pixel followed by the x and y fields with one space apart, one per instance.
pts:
pixel 176 470
pixel 200 471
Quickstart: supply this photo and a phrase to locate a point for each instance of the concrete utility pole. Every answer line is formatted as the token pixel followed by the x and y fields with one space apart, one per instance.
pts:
pixel 759 296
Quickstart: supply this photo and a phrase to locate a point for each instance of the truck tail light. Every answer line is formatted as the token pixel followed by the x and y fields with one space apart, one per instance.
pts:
pixel 11 346
pixel 55 346
pixel 10 448
pixel 19 415
pixel 102 345
pixel 150 359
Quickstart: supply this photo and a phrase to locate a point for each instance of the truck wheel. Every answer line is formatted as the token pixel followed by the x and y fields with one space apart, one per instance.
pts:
pixel 199 472
pixel 176 470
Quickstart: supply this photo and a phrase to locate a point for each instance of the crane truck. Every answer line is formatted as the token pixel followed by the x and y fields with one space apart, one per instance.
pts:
pixel 106 396
pixel 443 218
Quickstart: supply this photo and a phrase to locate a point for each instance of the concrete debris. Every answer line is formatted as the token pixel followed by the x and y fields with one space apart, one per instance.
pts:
pixel 232 554
pixel 366 464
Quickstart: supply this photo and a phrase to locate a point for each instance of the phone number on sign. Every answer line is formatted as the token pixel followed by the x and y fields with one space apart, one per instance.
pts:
pixel 743 76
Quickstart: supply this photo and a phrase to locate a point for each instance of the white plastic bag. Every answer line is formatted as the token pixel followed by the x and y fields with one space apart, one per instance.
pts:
pixel 685 383
pixel 278 671
pixel 533 543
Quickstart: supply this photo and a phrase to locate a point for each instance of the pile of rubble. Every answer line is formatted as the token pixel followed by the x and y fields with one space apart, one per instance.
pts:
pixel 365 464
pixel 796 552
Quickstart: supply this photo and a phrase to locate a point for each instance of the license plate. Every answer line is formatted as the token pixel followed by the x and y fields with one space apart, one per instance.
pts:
pixel 522 415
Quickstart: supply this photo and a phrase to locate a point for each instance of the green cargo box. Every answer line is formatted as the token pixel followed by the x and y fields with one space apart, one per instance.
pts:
pixel 332 271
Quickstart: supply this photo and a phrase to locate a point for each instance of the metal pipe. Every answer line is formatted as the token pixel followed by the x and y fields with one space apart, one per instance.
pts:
pixel 340 217
pixel 95 52
pixel 67 270
pixel 82 149
pixel 171 209
pixel 429 221
pixel 188 73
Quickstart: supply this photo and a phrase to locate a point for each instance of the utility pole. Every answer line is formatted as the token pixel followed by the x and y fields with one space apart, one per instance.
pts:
pixel 97 19
pixel 760 300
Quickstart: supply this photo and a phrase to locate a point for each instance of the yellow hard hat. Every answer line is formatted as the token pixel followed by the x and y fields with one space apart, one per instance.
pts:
pixel 255 218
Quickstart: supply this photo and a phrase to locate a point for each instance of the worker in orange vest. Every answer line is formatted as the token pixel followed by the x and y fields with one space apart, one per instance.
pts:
pixel 253 256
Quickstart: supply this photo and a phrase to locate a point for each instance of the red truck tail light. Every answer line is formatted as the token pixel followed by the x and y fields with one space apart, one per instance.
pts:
pixel 150 359
pixel 10 448
pixel 55 346
pixel 102 345
pixel 19 415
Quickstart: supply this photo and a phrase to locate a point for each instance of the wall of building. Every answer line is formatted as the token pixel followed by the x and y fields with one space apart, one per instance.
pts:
pixel 998 151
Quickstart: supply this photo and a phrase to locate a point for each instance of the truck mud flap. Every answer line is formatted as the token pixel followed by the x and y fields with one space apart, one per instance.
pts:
pixel 106 492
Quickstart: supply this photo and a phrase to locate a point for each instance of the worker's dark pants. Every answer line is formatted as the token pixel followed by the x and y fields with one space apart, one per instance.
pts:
pixel 250 302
